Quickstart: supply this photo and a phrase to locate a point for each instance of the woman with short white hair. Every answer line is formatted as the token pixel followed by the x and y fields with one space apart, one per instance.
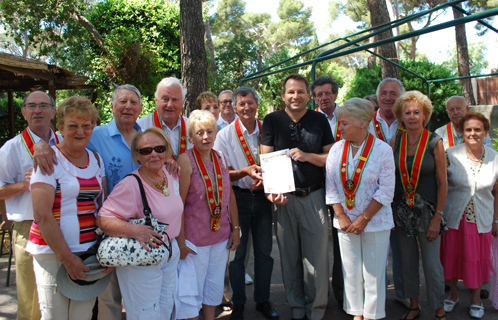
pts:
pixel 360 187
pixel 211 221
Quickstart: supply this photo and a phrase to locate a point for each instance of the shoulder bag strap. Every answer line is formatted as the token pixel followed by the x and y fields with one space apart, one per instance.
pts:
pixel 147 212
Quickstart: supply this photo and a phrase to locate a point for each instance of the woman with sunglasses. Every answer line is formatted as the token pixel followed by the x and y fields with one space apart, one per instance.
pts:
pixel 148 292
pixel 211 221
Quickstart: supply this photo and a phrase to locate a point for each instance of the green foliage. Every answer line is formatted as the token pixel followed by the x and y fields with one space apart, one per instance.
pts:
pixel 477 58
pixel 495 140
pixel 19 122
pixel 365 82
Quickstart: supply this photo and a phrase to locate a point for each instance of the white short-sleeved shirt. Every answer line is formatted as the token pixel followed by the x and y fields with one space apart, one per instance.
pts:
pixel 228 143
pixel 388 130
pixel 377 183
pixel 173 134
pixel 75 205
pixel 15 160
pixel 222 123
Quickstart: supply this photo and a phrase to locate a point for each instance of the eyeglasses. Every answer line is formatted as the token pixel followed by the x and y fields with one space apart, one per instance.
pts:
pixel 226 102
pixel 295 134
pixel 42 106
pixel 148 150
pixel 74 128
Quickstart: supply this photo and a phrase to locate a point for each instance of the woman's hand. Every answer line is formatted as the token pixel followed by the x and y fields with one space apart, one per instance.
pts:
pixel 146 236
pixel 358 226
pixel 234 240
pixel 344 221
pixel 434 226
pixel 75 267
pixel 185 251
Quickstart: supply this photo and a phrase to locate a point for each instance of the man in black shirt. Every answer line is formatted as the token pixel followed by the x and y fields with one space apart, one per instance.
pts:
pixel 300 218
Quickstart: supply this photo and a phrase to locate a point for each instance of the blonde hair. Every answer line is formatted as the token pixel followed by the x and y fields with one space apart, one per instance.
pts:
pixel 360 109
pixel 203 117
pixel 205 96
pixel 83 108
pixel 136 141
pixel 413 96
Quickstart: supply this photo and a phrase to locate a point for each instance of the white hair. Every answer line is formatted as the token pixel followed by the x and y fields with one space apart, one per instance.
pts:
pixel 168 82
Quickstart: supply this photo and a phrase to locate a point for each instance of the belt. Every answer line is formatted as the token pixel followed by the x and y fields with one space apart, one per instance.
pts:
pixel 306 191
pixel 238 189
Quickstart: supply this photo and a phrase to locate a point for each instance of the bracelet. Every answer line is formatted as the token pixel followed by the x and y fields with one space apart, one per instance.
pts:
pixel 183 247
pixel 236 227
pixel 366 218
pixel 440 212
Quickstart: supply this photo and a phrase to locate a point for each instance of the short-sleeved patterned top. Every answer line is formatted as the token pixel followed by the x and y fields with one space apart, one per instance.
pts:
pixel 75 204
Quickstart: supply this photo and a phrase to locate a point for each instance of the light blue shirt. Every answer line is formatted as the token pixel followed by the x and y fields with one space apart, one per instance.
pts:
pixel 108 141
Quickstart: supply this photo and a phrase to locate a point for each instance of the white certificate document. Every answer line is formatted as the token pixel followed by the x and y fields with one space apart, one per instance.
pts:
pixel 278 176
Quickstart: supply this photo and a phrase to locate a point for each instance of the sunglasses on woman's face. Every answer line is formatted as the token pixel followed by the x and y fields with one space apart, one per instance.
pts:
pixel 148 150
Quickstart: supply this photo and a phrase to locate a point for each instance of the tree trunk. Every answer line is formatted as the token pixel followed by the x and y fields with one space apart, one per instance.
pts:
pixel 210 46
pixel 378 16
pixel 463 58
pixel 194 63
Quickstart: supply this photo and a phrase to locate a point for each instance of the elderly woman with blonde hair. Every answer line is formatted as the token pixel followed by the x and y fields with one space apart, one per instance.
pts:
pixel 65 204
pixel 211 223
pixel 419 199
pixel 360 188
pixel 147 290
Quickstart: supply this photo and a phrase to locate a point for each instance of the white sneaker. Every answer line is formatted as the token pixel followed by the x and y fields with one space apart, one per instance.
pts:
pixel 477 313
pixel 248 279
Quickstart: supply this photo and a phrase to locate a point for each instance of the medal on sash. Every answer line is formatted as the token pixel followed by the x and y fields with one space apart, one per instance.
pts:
pixel 351 185
pixel 410 181
pixel 28 142
pixel 451 137
pixel 243 142
pixel 182 134
pixel 378 129
pixel 214 203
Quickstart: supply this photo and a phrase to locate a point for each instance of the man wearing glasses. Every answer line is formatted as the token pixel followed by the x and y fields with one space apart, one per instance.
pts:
pixel 300 218
pixel 16 166
pixel 456 108
pixel 227 115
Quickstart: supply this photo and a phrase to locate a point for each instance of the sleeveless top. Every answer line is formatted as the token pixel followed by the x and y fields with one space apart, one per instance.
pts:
pixel 197 212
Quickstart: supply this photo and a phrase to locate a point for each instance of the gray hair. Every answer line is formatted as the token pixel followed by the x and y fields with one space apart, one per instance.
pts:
pixel 462 99
pixel 130 87
pixel 386 80
pixel 244 91
pixel 360 109
pixel 52 101
pixel 168 82
pixel 323 80
pixel 222 92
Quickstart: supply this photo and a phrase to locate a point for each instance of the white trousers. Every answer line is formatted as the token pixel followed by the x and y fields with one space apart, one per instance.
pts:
pixel 53 304
pixel 364 268
pixel 210 265
pixel 149 292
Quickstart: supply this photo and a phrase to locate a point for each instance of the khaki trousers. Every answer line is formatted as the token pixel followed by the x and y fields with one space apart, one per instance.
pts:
pixel 27 295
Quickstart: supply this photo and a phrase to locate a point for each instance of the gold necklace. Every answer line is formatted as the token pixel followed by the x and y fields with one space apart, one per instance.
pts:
pixel 163 187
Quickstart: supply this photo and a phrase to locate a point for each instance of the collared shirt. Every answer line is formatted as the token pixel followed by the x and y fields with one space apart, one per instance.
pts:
pixel 334 122
pixel 228 143
pixel 441 131
pixel 115 153
pixel 222 123
pixel 389 130
pixel 14 162
pixel 173 134
pixel 377 183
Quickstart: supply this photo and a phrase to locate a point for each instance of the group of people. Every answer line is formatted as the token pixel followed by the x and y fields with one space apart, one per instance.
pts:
pixel 384 179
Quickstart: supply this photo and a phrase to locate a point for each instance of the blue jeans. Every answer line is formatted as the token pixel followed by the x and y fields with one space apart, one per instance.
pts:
pixel 255 216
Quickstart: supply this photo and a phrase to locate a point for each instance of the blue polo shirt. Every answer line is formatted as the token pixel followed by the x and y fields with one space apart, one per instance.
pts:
pixel 116 154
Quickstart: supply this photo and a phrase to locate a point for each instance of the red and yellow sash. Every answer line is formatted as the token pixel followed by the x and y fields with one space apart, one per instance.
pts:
pixel 244 145
pixel 182 134
pixel 451 137
pixel 28 142
pixel 337 134
pixel 214 203
pixel 350 186
pixel 410 181
pixel 378 129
